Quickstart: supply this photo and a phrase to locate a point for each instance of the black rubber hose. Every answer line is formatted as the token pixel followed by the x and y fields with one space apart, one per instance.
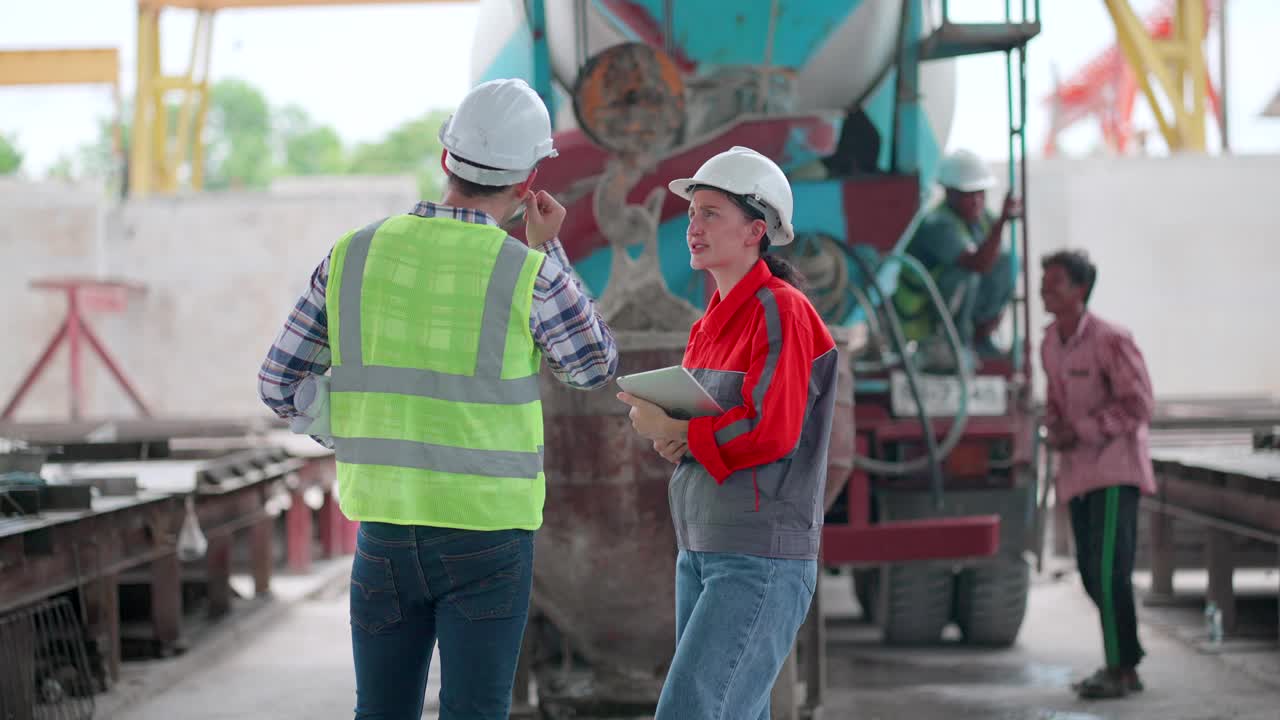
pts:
pixel 899 340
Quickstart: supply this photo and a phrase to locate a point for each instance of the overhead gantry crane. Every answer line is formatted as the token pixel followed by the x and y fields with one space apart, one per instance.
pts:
pixel 164 159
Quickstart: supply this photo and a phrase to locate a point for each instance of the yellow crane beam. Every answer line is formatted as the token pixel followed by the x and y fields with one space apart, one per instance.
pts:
pixel 81 66
pixel 1175 67
pixel 160 157
pixel 258 4
pixel 60 67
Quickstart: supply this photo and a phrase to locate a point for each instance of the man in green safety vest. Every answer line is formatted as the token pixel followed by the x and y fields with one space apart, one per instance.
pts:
pixel 959 243
pixel 434 325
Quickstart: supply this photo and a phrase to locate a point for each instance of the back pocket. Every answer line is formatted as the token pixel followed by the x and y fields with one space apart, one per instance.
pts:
pixel 375 606
pixel 490 584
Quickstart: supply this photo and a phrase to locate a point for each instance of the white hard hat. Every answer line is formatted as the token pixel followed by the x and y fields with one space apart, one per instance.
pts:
pixel 745 172
pixel 499 132
pixel 964 171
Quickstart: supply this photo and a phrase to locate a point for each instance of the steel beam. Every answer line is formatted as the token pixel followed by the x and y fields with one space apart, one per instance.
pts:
pixel 259 4
pixel 908 540
pixel 60 67
pixel 1177 66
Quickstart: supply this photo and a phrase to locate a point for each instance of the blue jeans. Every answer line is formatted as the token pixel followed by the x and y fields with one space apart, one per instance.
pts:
pixel 736 619
pixel 413 587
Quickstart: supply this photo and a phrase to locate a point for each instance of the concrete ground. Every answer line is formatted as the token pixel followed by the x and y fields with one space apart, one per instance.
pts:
pixel 298 665
pixel 288 657
pixel 1060 642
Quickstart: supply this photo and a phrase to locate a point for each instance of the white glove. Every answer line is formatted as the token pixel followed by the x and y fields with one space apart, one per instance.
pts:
pixel 312 400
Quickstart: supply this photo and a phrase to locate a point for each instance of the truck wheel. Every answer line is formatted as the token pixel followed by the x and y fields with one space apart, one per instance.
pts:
pixel 916 602
pixel 865 581
pixel 991 601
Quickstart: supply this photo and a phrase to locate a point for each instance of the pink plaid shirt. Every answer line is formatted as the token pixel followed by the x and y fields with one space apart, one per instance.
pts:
pixel 1098 384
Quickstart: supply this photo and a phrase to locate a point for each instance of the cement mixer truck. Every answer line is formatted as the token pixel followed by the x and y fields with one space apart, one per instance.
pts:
pixel 932 490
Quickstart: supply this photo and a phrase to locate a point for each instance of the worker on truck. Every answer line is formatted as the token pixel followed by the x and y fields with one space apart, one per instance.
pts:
pixel 959 243
pixel 1100 404
pixel 435 324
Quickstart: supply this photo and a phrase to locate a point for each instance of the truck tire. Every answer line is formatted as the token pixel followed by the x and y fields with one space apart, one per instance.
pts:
pixel 916 601
pixel 865 582
pixel 991 601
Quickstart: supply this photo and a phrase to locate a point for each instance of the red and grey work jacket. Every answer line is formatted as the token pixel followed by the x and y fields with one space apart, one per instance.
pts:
pixel 758 471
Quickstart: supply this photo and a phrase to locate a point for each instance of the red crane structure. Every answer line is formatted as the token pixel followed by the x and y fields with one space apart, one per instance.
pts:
pixel 1107 86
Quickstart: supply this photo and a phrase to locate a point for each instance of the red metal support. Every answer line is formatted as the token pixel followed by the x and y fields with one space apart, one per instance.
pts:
pixel 297 522
pixel 862 543
pixel 261 549
pixel 1162 554
pixel 73 352
pixel 1221 566
pixel 858 494
pixel 166 601
pixel 218 574
pixel 80 292
pixel 332 522
pixel 114 369
pixel 103 621
pixel 35 371
pixel 905 540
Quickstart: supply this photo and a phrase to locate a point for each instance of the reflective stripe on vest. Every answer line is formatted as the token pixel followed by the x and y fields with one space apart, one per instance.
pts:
pixel 485 386
pixel 422 446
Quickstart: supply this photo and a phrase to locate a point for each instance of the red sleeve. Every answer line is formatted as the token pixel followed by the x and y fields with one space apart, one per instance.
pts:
pixel 1132 400
pixel 766 426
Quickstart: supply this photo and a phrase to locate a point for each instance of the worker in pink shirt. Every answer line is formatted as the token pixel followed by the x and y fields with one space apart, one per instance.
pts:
pixel 1099 408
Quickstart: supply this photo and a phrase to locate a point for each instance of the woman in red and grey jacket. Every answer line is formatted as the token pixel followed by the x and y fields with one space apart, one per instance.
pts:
pixel 746 496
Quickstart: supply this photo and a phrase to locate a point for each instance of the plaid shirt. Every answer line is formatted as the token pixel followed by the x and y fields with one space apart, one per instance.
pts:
pixel 576 343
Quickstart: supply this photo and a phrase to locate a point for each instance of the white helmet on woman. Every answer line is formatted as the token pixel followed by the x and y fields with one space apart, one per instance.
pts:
pixel 498 134
pixel 757 179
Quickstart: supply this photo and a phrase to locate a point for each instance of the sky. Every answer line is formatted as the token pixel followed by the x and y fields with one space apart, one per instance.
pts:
pixel 321 59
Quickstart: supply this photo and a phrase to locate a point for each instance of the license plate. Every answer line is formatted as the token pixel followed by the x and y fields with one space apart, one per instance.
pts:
pixel 941 395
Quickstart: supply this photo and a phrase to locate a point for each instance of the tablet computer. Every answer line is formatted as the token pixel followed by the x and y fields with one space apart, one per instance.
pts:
pixel 673 389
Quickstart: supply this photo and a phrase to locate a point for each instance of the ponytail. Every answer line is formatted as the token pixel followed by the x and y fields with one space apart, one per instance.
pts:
pixel 780 268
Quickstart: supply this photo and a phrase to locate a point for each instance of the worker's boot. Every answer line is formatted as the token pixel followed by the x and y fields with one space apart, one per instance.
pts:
pixel 1109 683
pixel 983 343
pixel 1132 680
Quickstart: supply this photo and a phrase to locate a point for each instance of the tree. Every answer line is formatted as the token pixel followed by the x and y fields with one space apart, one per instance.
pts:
pixel 413 147
pixel 10 156
pixel 238 150
pixel 64 168
pixel 309 149
pixel 99 159
pixel 247 143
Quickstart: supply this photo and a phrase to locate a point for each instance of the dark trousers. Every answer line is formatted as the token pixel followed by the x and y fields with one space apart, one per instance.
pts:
pixel 1105 523
pixel 412 587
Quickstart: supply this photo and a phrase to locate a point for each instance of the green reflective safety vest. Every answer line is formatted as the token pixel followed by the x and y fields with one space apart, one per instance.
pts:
pixel 434 401
pixel 911 299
